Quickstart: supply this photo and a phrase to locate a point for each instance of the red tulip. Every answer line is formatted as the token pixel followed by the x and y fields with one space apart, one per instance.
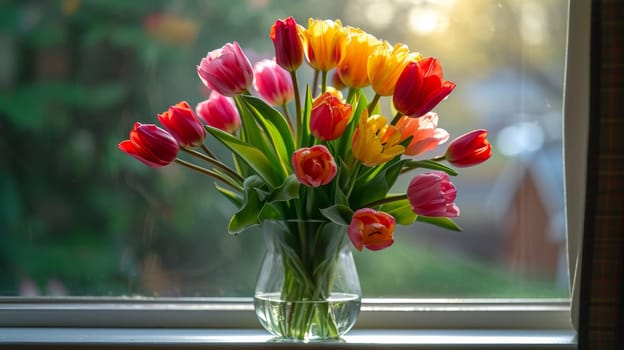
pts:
pixel 220 112
pixel 314 166
pixel 183 125
pixel 288 44
pixel 469 149
pixel 420 87
pixel 329 117
pixel 226 70
pixel 151 145
pixel 273 83
pixel 433 194
pixel 371 229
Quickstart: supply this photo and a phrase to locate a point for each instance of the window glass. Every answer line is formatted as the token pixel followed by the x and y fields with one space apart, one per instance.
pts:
pixel 78 217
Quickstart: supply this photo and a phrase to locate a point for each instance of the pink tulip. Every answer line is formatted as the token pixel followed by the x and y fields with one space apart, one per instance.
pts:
pixel 420 87
pixel 424 131
pixel 314 166
pixel 226 70
pixel 183 125
pixel 273 83
pixel 371 229
pixel 151 145
pixel 220 112
pixel 433 194
pixel 469 149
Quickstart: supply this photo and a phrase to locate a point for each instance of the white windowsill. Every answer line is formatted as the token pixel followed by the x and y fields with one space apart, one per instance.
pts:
pixel 258 339
pixel 231 324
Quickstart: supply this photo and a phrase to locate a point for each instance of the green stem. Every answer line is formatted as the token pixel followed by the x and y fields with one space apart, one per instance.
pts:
pixel 396 118
pixel 287 116
pixel 298 116
pixel 203 146
pixel 209 173
pixel 373 103
pixel 215 162
pixel 323 82
pixel 315 82
pixel 351 94
pixel 386 200
pixel 354 177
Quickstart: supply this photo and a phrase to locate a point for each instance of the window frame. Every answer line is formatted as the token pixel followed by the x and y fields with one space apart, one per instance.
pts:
pixel 379 314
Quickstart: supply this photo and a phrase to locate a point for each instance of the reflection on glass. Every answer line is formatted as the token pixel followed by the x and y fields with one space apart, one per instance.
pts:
pixel 77 217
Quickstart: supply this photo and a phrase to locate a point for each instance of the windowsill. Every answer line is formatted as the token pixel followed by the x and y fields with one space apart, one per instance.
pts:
pixel 258 339
pixel 230 323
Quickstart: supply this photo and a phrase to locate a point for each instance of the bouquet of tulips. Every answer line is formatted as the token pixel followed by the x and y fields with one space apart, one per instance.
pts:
pixel 332 157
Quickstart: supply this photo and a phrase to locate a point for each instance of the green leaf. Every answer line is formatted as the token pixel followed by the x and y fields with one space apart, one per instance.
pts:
pixel 287 191
pixel 375 186
pixel 344 142
pixel 275 125
pixel 234 197
pixel 443 222
pixel 251 155
pixel 252 133
pixel 252 204
pixel 338 214
pixel 429 164
pixel 401 210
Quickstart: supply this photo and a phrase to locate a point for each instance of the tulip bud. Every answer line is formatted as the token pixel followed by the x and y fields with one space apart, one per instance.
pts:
pixel 329 117
pixel 226 70
pixel 314 166
pixel 151 145
pixel 371 229
pixel 469 149
pixel 420 87
pixel 219 112
pixel 183 125
pixel 273 83
pixel 288 44
pixel 433 194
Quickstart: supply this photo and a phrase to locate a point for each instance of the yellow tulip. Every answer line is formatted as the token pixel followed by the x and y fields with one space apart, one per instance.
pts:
pixel 385 65
pixel 356 49
pixel 323 43
pixel 374 141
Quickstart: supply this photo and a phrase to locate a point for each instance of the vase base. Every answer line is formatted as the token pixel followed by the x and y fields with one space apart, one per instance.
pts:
pixel 307 320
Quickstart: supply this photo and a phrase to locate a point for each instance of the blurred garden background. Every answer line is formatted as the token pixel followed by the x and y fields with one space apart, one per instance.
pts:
pixel 80 218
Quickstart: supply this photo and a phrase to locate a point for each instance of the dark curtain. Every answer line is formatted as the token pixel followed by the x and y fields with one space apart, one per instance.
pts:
pixel 601 322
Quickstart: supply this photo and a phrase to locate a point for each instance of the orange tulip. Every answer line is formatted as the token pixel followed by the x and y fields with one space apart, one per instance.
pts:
pixel 329 117
pixel 371 229
pixel 314 166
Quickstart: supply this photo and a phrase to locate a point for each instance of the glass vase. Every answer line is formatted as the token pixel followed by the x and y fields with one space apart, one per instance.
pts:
pixel 307 288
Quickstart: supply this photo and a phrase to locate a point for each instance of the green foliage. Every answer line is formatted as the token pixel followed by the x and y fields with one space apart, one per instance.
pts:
pixel 73 208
